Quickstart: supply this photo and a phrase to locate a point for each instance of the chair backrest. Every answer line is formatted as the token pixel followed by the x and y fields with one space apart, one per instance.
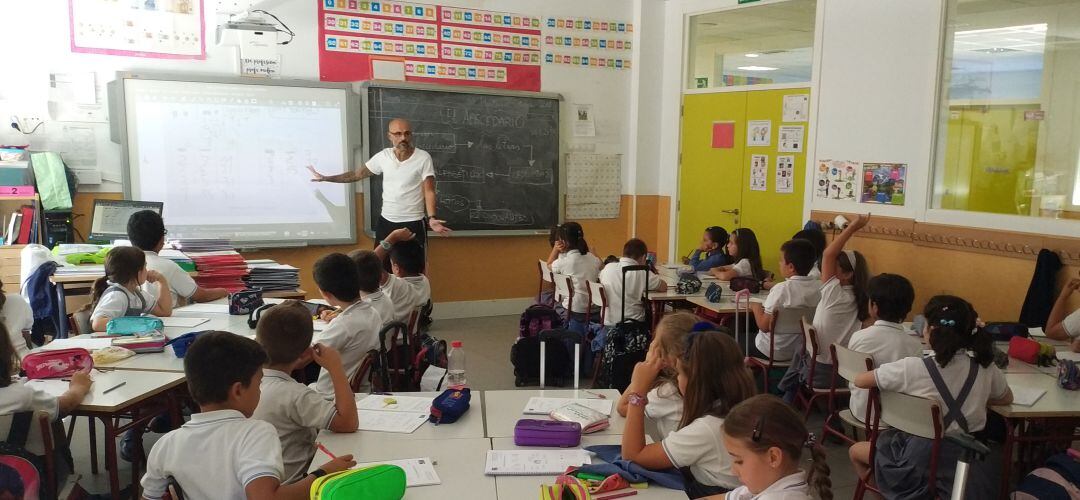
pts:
pixel 358 378
pixel 545 271
pixel 563 286
pixel 851 363
pixel 809 337
pixel 598 298
pixel 911 414
pixel 789 320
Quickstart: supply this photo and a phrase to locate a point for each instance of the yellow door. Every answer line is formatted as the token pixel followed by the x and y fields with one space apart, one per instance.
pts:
pixel 714 183
pixel 710 179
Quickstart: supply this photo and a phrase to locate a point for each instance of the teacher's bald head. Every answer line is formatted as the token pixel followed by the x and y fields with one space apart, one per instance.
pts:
pixel 400 132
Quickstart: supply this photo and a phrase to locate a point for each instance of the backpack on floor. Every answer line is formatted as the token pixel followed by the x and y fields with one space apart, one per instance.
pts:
pixel 525 356
pixel 1059 478
pixel 430 351
pixel 625 345
pixel 538 318
pixel 21 471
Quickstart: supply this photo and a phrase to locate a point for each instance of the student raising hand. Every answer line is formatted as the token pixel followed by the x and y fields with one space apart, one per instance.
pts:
pixel 1062 325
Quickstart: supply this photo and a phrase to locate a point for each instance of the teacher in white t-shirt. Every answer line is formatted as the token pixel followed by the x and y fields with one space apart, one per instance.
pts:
pixel 408 185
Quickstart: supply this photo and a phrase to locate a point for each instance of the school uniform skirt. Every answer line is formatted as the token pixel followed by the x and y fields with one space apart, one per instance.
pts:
pixel 901 469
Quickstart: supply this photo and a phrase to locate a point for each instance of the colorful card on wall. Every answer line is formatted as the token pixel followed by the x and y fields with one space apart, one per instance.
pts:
pixel 723 135
pixel 884 183
pixel 759 172
pixel 758 133
pixel 785 174
pixel 171 29
pixel 836 179
pixel 790 139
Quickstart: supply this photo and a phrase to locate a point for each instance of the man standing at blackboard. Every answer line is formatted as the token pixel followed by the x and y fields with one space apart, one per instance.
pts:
pixel 408 185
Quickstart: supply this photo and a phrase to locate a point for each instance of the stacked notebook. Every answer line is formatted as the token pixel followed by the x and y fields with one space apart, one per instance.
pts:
pixel 269 275
pixel 220 269
pixel 179 258
pixel 202 245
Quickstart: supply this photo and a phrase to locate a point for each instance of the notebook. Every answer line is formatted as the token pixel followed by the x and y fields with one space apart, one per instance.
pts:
pixel 589 419
pixel 544 406
pixel 533 462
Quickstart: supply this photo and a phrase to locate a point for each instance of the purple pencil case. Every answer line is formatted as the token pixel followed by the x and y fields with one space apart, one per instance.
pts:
pixel 550 433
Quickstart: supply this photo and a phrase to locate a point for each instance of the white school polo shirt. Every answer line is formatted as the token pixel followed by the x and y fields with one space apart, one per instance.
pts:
pixel 700 447
pixel 581 269
pixel 743 268
pixel 407 294
pixel 353 333
pixel 297 413
pixel 791 487
pixel 910 376
pixel 215 455
pixel 20 397
pixel 402 183
pixel 796 292
pixel 612 279
pixel 665 408
pixel 1071 324
pixel 836 318
pixel 115 305
pixel 382 304
pixel 885 342
pixel 17 317
pixel 180 282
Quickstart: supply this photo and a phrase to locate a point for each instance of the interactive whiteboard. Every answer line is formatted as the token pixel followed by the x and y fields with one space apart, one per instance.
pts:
pixel 227 156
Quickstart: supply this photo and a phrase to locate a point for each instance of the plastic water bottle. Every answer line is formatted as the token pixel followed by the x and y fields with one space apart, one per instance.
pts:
pixel 455 364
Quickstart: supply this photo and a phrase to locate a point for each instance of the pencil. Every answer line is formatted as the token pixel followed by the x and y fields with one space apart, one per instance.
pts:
pixel 597 394
pixel 324 450
pixel 617 495
pixel 117 386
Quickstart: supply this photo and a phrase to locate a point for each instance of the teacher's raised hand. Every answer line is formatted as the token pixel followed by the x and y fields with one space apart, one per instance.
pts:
pixel 315 175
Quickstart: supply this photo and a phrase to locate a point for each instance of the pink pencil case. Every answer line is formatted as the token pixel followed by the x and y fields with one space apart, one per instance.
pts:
pixel 550 433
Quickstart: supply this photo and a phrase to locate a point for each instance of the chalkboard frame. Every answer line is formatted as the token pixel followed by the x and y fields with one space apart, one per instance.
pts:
pixel 354 128
pixel 369 211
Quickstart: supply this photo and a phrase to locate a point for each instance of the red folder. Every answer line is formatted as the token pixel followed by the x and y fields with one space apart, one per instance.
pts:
pixel 25 225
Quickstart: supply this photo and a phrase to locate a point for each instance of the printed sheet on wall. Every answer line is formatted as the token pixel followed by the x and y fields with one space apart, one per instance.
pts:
pixel 365 40
pixel 168 29
pixel 593 186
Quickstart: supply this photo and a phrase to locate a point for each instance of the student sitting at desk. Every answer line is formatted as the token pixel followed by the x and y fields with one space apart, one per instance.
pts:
pixel 795 297
pixel 354 331
pixel 122 292
pixel 712 251
pixel 1062 326
pixel 147 232
pixel 746 254
pixel 408 288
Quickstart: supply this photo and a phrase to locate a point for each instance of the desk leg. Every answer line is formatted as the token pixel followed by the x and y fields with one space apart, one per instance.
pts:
pixel 92 431
pixel 110 456
pixel 61 312
pixel 1006 456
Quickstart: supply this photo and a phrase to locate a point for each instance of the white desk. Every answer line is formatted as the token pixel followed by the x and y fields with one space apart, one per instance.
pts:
pixel 520 487
pixel 726 304
pixel 469 426
pixel 504 409
pixel 459 463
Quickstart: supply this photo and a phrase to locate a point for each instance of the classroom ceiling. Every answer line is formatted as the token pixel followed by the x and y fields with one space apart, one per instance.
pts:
pixel 780 35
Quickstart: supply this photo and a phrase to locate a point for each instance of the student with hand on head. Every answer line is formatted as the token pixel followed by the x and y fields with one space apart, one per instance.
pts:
pixel 885 341
pixel 797 292
pixel 746 254
pixel 222 452
pixel 296 411
pixel 146 230
pixel 355 330
pixel 961 370
pixel 571 257
pixel 766 439
pixel 712 379
pixel 121 292
pixel 1062 325
pixel 712 251
pixel 665 405
pixel 407 287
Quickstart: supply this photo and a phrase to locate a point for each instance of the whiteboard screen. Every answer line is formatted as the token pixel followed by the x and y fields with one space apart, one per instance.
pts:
pixel 229 160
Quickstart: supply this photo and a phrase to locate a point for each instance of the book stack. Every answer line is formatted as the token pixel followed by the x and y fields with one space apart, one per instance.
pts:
pixel 21 226
pixel 201 245
pixel 219 269
pixel 270 276
pixel 179 258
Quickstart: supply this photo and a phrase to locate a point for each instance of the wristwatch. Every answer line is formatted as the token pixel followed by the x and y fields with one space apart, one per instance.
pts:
pixel 317 473
pixel 386 245
pixel 636 399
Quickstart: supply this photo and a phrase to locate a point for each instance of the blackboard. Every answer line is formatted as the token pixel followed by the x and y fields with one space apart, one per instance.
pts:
pixel 496 155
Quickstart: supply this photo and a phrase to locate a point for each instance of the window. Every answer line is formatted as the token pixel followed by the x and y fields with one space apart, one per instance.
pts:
pixel 752 45
pixel 1010 97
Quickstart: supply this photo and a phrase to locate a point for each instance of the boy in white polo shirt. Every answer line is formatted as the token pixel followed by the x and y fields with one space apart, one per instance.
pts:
pixel 797 295
pixel 408 288
pixel 611 277
pixel 146 230
pixel 891 296
pixel 222 452
pixel 1061 324
pixel 297 411
pixel 355 330
pixel 370 267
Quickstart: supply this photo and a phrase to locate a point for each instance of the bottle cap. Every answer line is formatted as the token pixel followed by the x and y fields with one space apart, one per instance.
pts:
pixel 455 344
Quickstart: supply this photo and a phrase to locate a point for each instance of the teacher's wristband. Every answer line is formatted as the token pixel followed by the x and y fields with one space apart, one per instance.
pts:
pixel 386 245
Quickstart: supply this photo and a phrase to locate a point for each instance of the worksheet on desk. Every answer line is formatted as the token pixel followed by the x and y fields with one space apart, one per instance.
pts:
pixel 391 421
pixel 533 462
pixel 378 402
pixel 544 406
pixel 205 308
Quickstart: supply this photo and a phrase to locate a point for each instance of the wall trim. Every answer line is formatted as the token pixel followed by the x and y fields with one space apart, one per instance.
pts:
pixel 481 308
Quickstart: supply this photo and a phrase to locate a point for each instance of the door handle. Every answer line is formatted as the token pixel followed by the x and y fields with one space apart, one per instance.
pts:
pixel 733 211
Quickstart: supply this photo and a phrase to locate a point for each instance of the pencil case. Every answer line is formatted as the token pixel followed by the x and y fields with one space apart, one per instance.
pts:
pixel 57 364
pixel 151 342
pixel 548 433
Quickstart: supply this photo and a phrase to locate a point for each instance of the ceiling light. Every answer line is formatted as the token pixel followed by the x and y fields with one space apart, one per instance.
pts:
pixel 757 68
pixel 753 55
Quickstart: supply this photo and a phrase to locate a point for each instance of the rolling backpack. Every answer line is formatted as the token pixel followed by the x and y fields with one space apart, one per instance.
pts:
pixel 626 344
pixel 525 356
pixel 430 351
pixel 538 318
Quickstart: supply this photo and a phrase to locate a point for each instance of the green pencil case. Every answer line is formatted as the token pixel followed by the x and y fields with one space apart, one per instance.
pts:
pixel 378 482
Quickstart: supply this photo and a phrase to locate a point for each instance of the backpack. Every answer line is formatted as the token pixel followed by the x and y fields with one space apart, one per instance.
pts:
pixel 625 345
pixel 525 356
pixel 1057 479
pixel 21 471
pixel 688 284
pixel 396 355
pixel 1003 331
pixel 538 318
pixel 430 351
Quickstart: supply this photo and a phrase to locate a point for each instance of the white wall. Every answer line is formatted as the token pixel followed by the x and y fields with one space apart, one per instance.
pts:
pixel 39 29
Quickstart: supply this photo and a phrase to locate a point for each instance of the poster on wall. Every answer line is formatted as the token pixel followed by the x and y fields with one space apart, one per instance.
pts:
pixel 584 121
pixel 785 174
pixel 759 133
pixel 168 29
pixel 434 44
pixel 790 139
pixel 796 107
pixel 836 179
pixel 884 183
pixel 759 172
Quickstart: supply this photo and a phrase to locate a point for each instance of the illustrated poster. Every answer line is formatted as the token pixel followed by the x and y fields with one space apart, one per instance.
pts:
pixel 836 179
pixel 790 139
pixel 169 29
pixel 758 133
pixel 796 107
pixel 759 172
pixel 785 174
pixel 884 183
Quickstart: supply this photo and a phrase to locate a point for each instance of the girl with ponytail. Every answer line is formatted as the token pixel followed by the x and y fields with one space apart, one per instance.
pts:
pixel 766 439
pixel 570 256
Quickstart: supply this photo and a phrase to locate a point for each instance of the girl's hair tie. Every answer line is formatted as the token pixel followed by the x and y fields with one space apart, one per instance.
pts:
pixel 947 322
pixel 811 440
pixel 702 326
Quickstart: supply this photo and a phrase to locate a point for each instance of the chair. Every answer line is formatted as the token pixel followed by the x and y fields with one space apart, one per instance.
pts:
pixel 597 297
pixel 780 323
pixel 807 392
pixel 395 353
pixel 847 364
pixel 911 414
pixel 365 371
pixel 545 277
pixel 33 431
pixel 564 287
